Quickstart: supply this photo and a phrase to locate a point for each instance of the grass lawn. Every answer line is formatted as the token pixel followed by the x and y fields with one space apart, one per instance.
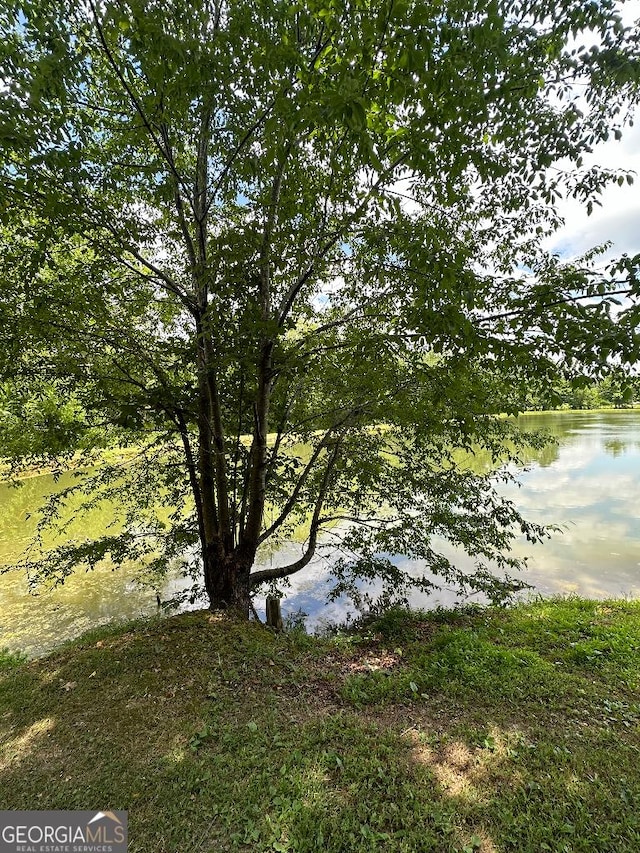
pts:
pixel 498 730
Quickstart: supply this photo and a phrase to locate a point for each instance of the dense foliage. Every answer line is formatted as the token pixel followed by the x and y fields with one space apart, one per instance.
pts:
pixel 292 253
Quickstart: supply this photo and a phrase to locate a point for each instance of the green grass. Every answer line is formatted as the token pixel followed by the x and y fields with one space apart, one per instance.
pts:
pixel 9 659
pixel 480 730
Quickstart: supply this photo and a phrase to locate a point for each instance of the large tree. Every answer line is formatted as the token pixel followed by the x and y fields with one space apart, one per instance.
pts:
pixel 292 253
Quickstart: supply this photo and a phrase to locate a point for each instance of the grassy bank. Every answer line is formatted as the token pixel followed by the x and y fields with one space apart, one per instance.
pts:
pixel 505 730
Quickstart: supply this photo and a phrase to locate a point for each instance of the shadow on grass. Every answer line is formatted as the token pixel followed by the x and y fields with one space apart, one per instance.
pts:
pixel 219 736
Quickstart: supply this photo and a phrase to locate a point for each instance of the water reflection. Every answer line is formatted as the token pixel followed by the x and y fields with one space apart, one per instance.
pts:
pixel 594 489
pixel 36 623
pixel 588 481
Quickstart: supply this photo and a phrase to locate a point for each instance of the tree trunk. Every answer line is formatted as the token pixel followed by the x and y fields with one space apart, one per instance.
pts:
pixel 227 582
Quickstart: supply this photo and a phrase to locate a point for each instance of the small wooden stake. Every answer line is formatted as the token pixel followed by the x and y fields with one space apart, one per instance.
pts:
pixel 274 613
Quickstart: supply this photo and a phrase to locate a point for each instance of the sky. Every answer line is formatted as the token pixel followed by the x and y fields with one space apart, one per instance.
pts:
pixel 618 220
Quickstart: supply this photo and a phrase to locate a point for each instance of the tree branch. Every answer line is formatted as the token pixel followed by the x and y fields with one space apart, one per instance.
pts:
pixel 284 571
pixel 129 91
pixel 518 312
pixel 297 286
pixel 302 479
pixel 246 137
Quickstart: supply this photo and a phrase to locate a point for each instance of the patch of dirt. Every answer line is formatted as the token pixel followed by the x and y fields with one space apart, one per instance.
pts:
pixel 383 661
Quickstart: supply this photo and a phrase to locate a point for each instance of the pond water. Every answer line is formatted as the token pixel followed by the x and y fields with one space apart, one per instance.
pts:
pixel 589 483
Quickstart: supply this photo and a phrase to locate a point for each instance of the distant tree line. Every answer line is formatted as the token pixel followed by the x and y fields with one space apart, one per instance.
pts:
pixel 620 392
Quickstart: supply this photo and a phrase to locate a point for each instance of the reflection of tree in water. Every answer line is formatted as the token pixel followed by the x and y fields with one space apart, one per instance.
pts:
pixel 481 461
pixel 614 447
pixel 548 455
pixel 557 425
pixel 19 514
pixel 17 502
pixel 571 428
pixel 36 623
pixel 88 598
pixel 19 505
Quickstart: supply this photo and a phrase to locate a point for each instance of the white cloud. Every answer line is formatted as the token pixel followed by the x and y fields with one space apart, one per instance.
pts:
pixel 618 220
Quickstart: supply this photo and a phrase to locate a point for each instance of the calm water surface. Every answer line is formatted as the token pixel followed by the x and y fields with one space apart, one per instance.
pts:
pixel 589 482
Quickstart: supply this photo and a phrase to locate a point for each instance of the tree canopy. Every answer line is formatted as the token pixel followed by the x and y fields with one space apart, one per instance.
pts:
pixel 293 254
